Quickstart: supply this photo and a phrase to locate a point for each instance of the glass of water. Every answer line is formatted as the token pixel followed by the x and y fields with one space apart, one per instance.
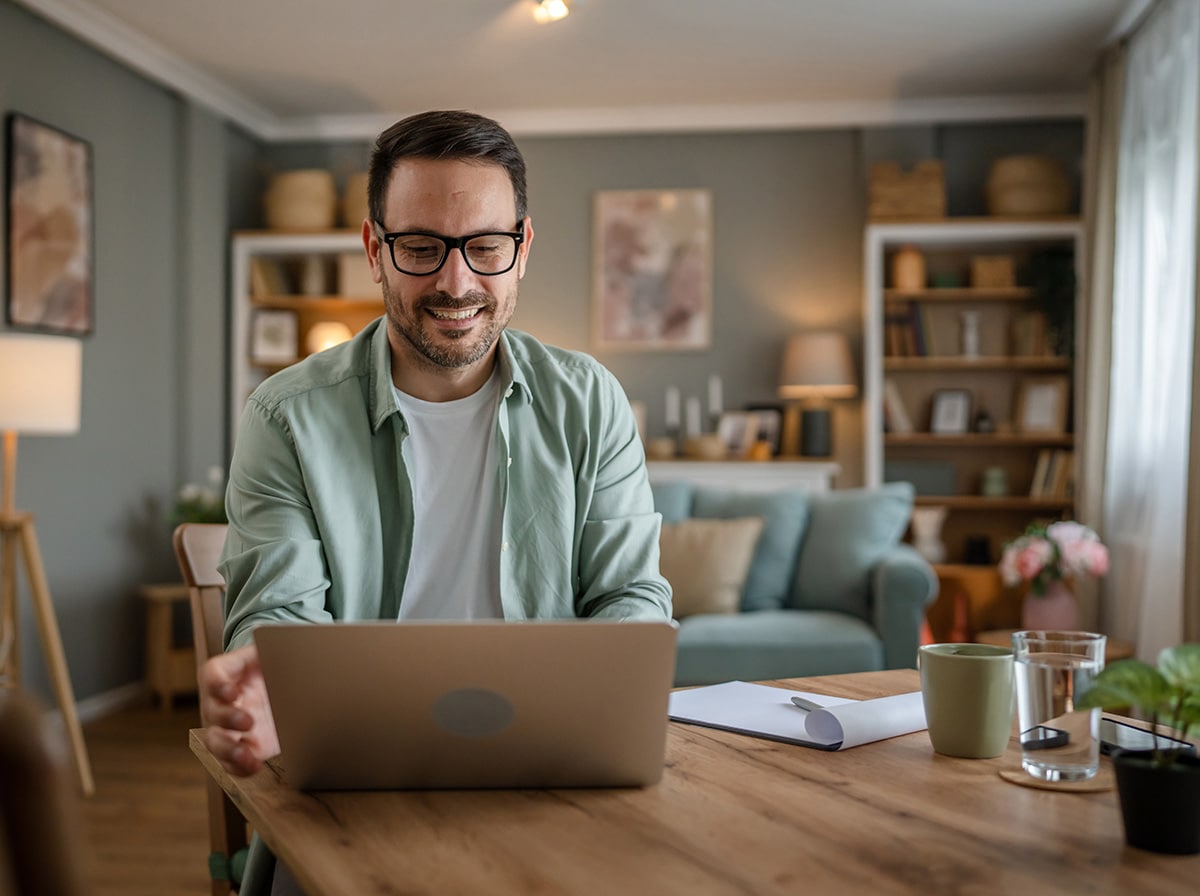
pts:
pixel 1058 742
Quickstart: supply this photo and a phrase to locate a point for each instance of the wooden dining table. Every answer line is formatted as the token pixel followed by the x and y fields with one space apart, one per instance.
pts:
pixel 732 814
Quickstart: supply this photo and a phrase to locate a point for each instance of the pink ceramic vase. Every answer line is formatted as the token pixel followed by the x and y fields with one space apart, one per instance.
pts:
pixel 1055 610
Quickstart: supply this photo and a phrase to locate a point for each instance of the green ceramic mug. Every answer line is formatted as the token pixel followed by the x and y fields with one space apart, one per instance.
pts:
pixel 968 694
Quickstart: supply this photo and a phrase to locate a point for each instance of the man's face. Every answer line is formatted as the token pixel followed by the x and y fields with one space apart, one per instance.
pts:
pixel 448 320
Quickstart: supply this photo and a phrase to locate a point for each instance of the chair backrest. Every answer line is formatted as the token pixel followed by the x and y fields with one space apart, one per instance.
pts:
pixel 41 823
pixel 198 547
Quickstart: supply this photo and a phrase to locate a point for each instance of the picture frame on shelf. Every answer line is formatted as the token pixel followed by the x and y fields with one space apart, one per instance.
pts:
pixel 274 337
pixel 49 222
pixel 737 431
pixel 767 426
pixel 950 412
pixel 1042 404
pixel 652 269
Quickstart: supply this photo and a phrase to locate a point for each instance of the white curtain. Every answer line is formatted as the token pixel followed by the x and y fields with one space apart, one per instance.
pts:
pixel 1154 295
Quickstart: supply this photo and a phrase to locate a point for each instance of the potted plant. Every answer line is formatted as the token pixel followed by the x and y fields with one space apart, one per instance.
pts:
pixel 1159 789
pixel 201 503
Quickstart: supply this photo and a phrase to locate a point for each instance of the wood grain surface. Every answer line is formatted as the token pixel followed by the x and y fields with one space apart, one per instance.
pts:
pixel 732 814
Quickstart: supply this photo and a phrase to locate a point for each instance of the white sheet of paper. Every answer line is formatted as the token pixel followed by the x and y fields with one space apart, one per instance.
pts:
pixel 765 711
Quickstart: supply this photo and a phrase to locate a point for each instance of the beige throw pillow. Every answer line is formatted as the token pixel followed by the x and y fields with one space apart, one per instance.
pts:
pixel 707 561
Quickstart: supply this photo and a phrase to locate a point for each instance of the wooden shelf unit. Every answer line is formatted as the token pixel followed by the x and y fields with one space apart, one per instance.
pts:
pixel 288 251
pixel 931 360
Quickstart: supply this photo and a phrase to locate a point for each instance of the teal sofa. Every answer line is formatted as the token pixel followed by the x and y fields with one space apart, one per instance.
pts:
pixel 821 583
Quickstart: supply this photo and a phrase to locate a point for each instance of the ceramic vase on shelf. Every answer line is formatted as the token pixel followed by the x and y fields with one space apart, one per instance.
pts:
pixel 927 533
pixel 1055 610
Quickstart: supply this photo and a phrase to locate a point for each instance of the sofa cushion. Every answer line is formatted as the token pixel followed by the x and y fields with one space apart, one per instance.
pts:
pixel 785 516
pixel 770 644
pixel 849 532
pixel 673 500
pixel 706 562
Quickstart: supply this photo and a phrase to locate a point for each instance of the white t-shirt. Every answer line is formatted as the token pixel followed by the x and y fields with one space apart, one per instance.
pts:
pixel 454 571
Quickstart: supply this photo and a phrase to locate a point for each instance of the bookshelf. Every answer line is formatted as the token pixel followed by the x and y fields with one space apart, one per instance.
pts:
pixel 284 287
pixel 973 334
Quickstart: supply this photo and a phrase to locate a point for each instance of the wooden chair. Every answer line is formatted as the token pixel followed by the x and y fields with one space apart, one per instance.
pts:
pixel 197 547
pixel 41 826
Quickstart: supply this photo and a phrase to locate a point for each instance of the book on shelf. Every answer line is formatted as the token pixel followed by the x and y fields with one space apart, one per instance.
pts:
pixel 1029 335
pixel 267 278
pixel 907 330
pixel 895 414
pixel 1053 474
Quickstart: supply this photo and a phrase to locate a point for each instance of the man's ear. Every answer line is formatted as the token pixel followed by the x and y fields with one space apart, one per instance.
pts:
pixel 523 250
pixel 375 249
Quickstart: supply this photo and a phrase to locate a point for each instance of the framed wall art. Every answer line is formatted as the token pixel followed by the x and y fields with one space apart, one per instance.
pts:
pixel 49 220
pixel 652 269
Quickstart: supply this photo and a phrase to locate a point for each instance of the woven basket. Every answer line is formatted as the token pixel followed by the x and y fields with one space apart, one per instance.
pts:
pixel 301 200
pixel 354 201
pixel 895 194
pixel 1028 186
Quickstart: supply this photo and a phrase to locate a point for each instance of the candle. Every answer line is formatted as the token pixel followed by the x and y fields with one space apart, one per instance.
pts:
pixel 714 395
pixel 693 416
pixel 672 416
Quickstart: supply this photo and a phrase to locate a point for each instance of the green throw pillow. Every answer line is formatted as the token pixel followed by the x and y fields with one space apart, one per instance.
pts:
pixel 849 532
pixel 673 500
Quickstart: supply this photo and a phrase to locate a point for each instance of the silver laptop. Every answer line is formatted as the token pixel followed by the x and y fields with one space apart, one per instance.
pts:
pixel 419 705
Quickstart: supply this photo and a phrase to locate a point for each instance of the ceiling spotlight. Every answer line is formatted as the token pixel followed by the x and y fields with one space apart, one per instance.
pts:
pixel 550 11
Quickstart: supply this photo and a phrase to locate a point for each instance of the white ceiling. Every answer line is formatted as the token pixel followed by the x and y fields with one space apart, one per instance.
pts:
pixel 296 69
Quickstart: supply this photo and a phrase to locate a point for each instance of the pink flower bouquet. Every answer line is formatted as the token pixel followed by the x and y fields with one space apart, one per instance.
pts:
pixel 1045 554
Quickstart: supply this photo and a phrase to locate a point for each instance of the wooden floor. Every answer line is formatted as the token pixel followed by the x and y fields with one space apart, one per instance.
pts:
pixel 146 825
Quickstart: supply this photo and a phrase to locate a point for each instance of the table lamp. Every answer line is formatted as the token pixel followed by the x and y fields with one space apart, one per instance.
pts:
pixel 40 384
pixel 816 369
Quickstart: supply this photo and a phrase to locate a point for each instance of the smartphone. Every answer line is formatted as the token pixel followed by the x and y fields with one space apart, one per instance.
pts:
pixel 1116 735
pixel 1042 737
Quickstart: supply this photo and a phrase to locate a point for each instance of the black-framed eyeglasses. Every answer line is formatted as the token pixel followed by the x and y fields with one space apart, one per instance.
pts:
pixel 421 254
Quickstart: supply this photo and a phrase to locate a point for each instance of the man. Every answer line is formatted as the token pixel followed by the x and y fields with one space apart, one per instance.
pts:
pixel 437 465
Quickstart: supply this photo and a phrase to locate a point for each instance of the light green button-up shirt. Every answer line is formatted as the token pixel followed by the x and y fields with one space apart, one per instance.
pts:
pixel 320 497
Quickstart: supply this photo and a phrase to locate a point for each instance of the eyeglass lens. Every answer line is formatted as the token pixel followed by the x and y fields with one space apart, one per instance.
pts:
pixel 488 253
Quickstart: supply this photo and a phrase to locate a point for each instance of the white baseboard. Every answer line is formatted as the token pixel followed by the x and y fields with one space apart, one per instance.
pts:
pixel 100 705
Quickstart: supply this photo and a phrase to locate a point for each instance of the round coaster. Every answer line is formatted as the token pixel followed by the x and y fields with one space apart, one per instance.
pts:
pixel 1102 781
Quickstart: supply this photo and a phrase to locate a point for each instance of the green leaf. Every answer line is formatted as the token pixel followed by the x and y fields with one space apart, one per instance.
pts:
pixel 1180 666
pixel 1127 683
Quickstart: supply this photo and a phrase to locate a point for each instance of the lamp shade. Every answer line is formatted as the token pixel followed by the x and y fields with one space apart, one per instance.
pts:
pixel 40 383
pixel 817 364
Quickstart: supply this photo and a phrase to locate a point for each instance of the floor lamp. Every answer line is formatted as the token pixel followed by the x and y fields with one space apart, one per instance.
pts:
pixel 40 384
pixel 817 368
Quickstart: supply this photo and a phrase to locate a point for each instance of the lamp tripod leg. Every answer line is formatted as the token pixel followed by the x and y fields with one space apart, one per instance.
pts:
pixel 10 657
pixel 55 658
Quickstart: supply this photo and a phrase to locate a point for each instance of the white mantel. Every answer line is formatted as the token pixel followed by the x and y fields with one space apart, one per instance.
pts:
pixel 748 475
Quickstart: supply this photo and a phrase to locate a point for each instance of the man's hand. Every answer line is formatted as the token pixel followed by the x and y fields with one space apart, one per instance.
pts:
pixel 239 727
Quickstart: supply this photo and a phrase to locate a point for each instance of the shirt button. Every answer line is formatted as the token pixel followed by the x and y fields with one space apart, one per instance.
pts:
pixel 508 392
pixel 504 546
pixel 510 461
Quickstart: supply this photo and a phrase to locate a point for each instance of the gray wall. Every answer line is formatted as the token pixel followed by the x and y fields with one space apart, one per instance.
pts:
pixel 154 367
pixel 788 221
pixel 172 181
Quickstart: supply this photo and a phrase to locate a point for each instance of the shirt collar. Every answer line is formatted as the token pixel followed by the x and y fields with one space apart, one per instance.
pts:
pixel 513 377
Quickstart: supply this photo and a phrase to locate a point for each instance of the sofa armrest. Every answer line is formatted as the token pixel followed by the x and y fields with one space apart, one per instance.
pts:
pixel 903 584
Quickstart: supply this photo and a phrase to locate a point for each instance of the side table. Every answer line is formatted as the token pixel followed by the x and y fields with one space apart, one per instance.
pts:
pixel 170 667
pixel 1114 649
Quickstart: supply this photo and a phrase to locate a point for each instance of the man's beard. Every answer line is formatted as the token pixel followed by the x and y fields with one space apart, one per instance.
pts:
pixel 446 349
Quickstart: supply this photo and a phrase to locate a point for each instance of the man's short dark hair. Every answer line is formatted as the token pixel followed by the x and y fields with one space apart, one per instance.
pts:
pixel 458 136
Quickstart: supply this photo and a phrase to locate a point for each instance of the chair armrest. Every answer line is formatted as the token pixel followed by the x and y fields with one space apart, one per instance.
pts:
pixel 903 584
